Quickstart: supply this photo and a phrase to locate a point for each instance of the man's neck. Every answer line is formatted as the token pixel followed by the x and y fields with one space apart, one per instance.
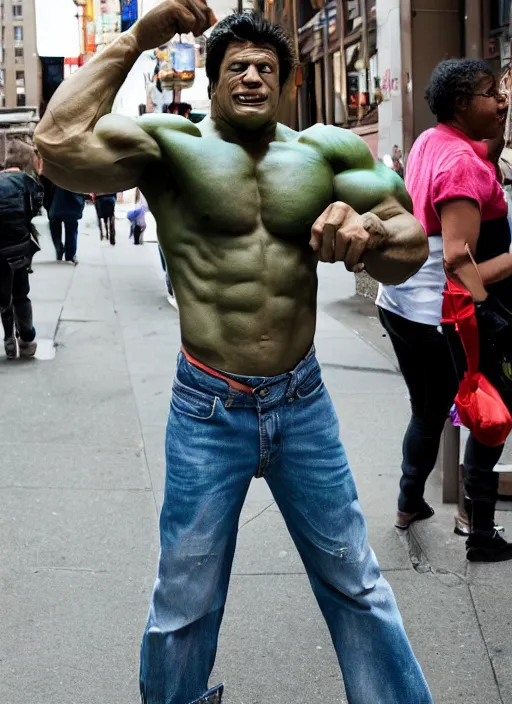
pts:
pixel 251 139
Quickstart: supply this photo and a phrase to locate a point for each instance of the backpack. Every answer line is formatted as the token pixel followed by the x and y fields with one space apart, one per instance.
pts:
pixel 20 201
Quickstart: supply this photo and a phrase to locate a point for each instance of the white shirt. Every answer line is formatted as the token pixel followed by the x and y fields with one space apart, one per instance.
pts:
pixel 420 298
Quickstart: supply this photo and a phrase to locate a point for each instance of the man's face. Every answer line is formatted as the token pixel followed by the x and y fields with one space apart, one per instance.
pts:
pixel 247 92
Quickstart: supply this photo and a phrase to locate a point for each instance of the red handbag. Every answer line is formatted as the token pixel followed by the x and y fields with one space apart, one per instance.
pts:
pixel 479 404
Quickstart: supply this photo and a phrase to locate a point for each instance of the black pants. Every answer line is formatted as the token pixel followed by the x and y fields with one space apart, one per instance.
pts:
pixel 68 250
pixel 138 234
pixel 110 228
pixel 15 305
pixel 428 365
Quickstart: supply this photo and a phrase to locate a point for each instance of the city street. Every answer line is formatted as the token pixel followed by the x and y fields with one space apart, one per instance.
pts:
pixel 81 483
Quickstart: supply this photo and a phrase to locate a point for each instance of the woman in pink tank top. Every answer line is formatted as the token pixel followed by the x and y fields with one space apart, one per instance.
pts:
pixel 458 199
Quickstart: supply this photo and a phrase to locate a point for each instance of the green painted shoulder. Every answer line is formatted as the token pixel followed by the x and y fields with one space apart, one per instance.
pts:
pixel 284 133
pixel 342 148
pixel 153 122
pixel 365 189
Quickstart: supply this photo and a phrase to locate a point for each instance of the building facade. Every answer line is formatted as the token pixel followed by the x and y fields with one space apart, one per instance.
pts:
pixel 412 37
pixel 364 64
pixel 337 80
pixel 20 74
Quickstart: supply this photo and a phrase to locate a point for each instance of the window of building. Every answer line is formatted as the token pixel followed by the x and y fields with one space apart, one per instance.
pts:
pixel 2 77
pixel 18 55
pixel 499 13
pixel 2 99
pixel 20 79
pixel 21 100
pixel 18 34
pixel 17 11
pixel 353 18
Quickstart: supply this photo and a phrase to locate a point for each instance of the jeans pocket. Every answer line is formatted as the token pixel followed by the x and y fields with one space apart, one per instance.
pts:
pixel 192 403
pixel 311 386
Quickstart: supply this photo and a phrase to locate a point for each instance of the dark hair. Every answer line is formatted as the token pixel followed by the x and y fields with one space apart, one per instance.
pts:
pixel 183 108
pixel 19 156
pixel 248 27
pixel 451 80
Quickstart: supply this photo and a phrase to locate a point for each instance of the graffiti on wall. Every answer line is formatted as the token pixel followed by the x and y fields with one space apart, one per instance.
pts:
pixel 389 85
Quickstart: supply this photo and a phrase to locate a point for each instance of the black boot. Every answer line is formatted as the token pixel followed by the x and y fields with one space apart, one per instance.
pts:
pixel 485 543
pixel 463 520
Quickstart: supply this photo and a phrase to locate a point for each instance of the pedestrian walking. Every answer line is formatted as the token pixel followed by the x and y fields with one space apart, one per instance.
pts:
pixel 106 211
pixel 21 198
pixel 137 218
pixel 49 192
pixel 237 199
pixel 459 200
pixel 66 209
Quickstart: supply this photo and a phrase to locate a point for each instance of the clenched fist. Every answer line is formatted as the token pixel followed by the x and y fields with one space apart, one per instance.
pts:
pixel 341 235
pixel 172 17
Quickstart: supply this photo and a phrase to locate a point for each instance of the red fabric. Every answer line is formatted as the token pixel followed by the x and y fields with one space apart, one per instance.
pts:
pixel 481 409
pixel 479 404
pixel 445 165
pixel 213 372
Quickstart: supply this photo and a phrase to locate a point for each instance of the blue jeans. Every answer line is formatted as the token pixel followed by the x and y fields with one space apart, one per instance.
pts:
pixel 218 440
pixel 71 237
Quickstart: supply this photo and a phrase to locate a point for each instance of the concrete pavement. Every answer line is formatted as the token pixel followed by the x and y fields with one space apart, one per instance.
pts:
pixel 81 483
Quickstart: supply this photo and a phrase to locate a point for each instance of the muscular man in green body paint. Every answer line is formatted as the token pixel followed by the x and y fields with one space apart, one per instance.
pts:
pixel 245 208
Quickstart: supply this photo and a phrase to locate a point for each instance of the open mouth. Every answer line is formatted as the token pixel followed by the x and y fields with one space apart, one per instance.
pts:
pixel 250 99
pixel 502 114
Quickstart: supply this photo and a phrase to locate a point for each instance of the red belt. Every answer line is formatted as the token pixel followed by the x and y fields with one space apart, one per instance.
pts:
pixel 213 372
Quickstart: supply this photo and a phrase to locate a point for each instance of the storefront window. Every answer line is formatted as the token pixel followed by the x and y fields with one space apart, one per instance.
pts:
pixel 363 89
pixel 352 55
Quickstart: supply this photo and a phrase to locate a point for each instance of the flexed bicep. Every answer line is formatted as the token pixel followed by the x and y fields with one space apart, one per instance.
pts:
pixel 365 189
pixel 108 159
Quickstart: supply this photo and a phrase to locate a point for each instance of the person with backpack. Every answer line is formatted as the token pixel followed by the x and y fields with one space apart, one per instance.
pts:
pixel 66 209
pixel 21 198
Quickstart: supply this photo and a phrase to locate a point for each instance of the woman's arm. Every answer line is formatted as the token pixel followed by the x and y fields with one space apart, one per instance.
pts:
pixel 461 222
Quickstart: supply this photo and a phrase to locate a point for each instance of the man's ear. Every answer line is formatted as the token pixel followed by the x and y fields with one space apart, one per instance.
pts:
pixel 211 90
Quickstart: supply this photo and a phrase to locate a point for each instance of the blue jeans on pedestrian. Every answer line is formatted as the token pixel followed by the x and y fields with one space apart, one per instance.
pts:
pixel 218 440
pixel 68 250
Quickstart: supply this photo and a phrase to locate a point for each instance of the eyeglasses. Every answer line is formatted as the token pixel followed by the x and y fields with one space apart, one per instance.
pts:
pixel 497 95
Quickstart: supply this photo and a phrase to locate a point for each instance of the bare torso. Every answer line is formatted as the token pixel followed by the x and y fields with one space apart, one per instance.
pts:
pixel 235 228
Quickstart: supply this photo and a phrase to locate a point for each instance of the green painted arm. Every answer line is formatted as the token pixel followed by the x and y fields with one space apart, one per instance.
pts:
pixel 370 187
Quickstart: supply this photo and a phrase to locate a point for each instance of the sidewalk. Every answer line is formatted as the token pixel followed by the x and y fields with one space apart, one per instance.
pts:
pixel 81 483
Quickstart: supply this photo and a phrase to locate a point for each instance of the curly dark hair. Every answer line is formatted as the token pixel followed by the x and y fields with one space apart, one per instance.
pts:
pixel 248 27
pixel 452 79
